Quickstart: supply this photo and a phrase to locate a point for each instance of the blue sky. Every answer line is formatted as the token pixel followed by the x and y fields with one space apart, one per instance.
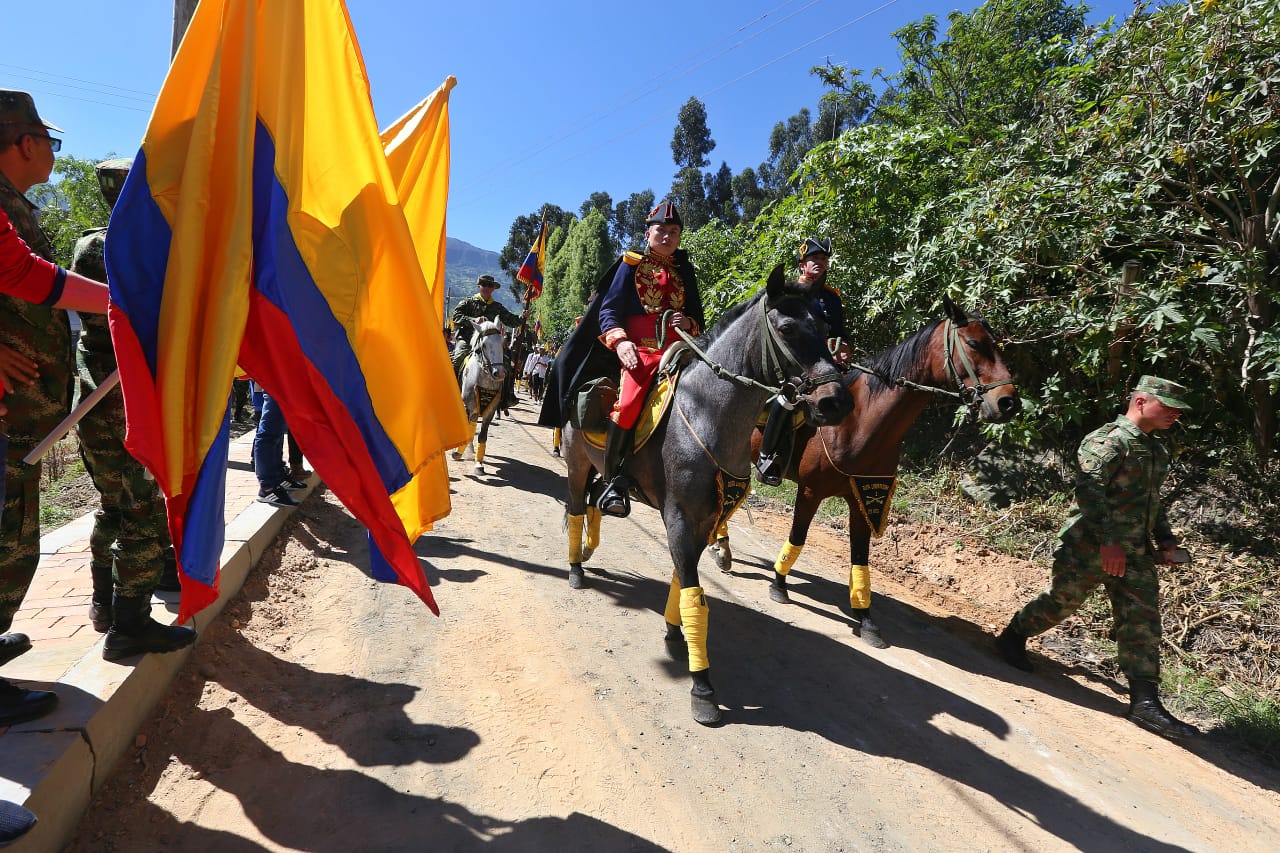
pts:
pixel 554 101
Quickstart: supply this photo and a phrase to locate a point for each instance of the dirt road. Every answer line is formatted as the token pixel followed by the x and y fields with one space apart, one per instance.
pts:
pixel 330 713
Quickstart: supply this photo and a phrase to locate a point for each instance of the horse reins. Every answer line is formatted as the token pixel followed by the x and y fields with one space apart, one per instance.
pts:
pixel 969 395
pixel 776 355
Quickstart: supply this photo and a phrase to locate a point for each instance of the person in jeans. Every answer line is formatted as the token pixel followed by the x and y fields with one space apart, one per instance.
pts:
pixel 274 482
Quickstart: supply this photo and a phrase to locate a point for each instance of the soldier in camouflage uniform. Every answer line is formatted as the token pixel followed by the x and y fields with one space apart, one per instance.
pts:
pixel 41 335
pixel 130 541
pixel 1108 540
pixel 481 306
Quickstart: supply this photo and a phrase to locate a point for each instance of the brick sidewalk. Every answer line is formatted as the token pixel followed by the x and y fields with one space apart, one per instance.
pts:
pixel 55 763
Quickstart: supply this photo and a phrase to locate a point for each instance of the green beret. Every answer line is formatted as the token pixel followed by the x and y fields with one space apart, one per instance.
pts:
pixel 1166 391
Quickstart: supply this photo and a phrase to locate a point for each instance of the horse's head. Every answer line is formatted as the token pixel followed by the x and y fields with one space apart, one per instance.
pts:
pixel 487 345
pixel 974 363
pixel 796 354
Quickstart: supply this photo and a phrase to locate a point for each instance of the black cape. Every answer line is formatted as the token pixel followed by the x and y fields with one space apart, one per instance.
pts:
pixel 584 358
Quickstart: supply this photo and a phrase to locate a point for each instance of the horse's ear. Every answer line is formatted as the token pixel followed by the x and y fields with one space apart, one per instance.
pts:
pixel 954 312
pixel 777 283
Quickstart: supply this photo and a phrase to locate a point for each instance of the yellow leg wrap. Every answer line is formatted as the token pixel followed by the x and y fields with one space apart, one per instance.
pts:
pixel 860 587
pixel 722 531
pixel 575 537
pixel 693 616
pixel 787 558
pixel 672 613
pixel 593 528
pixel 555 438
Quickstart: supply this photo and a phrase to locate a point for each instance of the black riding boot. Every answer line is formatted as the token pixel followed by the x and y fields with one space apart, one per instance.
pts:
pixel 1012 646
pixel 134 632
pixel 615 500
pixel 775 446
pixel 1146 710
pixel 100 603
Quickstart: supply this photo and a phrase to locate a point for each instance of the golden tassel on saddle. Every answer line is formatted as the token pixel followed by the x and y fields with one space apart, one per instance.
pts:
pixel 787 558
pixel 859 587
pixel 693 618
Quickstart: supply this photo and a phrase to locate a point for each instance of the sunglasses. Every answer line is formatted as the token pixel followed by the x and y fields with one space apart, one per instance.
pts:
pixel 55 144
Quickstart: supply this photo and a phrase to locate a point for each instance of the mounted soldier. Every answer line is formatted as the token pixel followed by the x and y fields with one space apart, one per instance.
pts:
pixel 479 306
pixel 775 449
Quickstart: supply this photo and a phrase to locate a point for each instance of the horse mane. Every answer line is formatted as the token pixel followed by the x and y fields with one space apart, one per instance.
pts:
pixel 898 361
pixel 792 288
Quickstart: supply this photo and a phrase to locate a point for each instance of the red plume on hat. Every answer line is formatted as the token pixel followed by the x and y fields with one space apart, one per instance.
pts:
pixel 665 212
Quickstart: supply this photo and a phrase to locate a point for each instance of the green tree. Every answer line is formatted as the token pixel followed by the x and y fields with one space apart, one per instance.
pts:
pixel 628 220
pixel 692 141
pixel 718 188
pixel 1163 147
pixel 70 205
pixel 690 196
pixel 748 196
pixel 984 76
pixel 584 252
pixel 848 101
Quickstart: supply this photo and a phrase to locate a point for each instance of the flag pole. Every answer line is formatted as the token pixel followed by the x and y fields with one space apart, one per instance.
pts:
pixel 59 432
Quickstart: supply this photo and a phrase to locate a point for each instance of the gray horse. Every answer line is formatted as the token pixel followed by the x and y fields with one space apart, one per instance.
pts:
pixel 482 376
pixel 696 466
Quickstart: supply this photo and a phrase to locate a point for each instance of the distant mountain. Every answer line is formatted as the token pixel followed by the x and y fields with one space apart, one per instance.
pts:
pixel 463 264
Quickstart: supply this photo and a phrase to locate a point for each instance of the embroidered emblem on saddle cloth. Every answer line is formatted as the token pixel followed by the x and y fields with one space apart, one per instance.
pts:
pixel 874 495
pixel 655 409
pixel 732 491
pixel 486 400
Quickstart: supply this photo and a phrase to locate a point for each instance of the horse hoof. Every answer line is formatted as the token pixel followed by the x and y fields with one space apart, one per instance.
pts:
pixel 479 469
pixel 457 455
pixel 721 553
pixel 576 579
pixel 779 594
pixel 705 710
pixel 869 634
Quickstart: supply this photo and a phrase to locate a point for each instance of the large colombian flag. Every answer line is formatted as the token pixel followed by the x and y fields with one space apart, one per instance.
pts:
pixel 261 224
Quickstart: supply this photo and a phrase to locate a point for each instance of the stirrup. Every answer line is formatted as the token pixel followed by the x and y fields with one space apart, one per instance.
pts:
pixel 767 471
pixel 614 501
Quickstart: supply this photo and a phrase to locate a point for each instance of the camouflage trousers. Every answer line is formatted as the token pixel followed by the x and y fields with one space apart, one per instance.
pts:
pixel 130 538
pixel 34 410
pixel 1135 603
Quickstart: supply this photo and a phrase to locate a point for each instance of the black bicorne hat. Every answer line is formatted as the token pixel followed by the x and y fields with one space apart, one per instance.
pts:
pixel 663 213
pixel 813 246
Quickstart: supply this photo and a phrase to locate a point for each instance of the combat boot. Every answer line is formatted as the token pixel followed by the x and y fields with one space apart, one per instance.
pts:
pixel 134 632
pixel 100 602
pixel 1146 710
pixel 615 500
pixel 1012 646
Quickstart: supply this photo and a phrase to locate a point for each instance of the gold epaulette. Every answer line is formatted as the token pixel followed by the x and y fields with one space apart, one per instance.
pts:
pixel 831 288
pixel 632 259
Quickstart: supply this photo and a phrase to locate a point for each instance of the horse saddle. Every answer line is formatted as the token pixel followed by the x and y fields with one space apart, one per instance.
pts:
pixel 656 405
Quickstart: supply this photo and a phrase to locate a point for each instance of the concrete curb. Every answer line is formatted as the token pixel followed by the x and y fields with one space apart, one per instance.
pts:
pixel 68 755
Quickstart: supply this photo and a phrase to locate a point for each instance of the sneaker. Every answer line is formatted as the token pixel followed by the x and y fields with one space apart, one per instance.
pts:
pixel 279 496
pixel 292 485
pixel 12 645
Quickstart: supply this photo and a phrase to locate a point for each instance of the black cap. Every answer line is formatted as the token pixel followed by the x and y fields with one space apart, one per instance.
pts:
pixel 814 246
pixel 663 213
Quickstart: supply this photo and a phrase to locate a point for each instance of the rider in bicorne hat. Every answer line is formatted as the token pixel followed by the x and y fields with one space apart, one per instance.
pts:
pixel 776 443
pixel 621 327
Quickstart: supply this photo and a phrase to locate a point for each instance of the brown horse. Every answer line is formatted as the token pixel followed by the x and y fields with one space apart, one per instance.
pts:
pixel 857 459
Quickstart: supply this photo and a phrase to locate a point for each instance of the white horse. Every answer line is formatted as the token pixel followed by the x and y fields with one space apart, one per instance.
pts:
pixel 483 374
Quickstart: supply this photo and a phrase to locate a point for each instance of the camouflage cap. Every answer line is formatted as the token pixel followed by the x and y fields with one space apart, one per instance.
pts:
pixel 1168 392
pixel 111 175
pixel 486 280
pixel 19 108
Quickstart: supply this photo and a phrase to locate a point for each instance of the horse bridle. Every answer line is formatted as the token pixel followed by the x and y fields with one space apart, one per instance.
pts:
pixel 777 357
pixel 478 350
pixel 969 395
